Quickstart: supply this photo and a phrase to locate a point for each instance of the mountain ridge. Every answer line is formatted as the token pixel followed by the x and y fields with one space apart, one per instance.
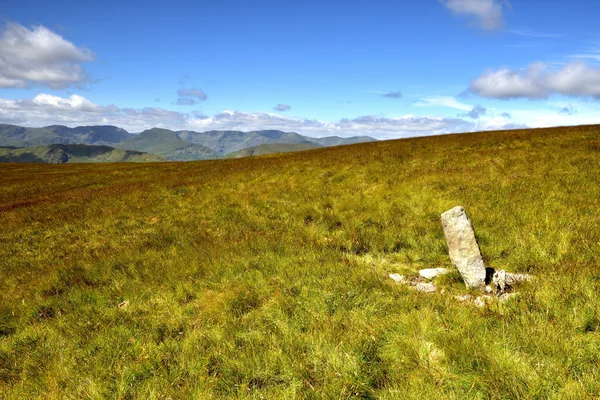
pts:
pixel 183 145
pixel 73 153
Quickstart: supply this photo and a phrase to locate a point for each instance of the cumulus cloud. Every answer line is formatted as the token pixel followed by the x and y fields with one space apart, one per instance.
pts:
pixel 392 95
pixel 538 81
pixel 189 97
pixel 477 112
pixel 45 109
pixel 487 14
pixel 282 107
pixel 38 56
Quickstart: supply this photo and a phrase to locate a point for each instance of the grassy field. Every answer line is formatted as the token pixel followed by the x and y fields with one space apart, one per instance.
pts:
pixel 267 277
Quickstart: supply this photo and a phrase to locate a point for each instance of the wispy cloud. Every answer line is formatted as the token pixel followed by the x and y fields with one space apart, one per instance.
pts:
pixel 538 81
pixel 188 97
pixel 567 110
pixel 443 101
pixel 487 14
pixel 533 33
pixel 477 112
pixel 38 56
pixel 392 95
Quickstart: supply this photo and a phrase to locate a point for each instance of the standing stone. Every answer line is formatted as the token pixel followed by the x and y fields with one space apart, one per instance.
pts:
pixel 463 248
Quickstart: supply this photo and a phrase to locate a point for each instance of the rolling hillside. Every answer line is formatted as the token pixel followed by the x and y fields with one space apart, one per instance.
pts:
pixel 264 149
pixel 73 153
pixel 268 277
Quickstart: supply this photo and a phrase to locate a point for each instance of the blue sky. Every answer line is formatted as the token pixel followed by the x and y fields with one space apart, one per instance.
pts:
pixel 383 68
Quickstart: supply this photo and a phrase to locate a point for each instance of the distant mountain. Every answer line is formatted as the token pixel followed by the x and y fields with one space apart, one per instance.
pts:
pixel 271 149
pixel 72 153
pixel 167 144
pixel 174 146
pixel 225 142
pixel 12 135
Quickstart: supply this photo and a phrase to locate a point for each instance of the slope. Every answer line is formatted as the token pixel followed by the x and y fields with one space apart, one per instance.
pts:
pixel 267 277
pixel 264 149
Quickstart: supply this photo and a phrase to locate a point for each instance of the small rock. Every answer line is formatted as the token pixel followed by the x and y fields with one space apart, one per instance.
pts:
pixel 503 280
pixel 397 277
pixel 488 289
pixel 479 301
pixel 516 278
pixel 506 296
pixel 430 273
pixel 463 297
pixel 425 287
pixel 124 304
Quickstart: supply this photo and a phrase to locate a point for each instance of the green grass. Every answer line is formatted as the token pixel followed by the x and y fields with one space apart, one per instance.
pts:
pixel 266 277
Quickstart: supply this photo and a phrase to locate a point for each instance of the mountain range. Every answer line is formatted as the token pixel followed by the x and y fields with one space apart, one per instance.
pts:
pixel 73 153
pixel 170 145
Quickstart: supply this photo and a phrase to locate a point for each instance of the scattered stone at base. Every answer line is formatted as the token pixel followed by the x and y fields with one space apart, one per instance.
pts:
pixel 481 300
pixel 463 297
pixel 397 277
pixel 463 248
pixel 124 304
pixel 506 296
pixel 430 273
pixel 425 287
pixel 503 280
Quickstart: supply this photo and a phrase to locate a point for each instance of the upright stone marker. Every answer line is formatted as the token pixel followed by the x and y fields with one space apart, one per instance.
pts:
pixel 463 248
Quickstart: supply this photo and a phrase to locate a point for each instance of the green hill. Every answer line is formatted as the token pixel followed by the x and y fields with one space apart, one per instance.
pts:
pixel 268 277
pixel 73 153
pixel 11 135
pixel 264 149
pixel 167 144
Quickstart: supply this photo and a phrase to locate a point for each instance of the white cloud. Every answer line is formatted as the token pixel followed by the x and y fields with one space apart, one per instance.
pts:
pixel 443 101
pixel 39 56
pixel 488 14
pixel 537 81
pixel 45 109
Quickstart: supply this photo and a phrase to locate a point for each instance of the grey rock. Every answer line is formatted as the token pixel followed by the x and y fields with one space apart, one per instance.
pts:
pixel 463 248
pixel 506 296
pixel 430 273
pixel 503 280
pixel 463 297
pixel 425 287
pixel 397 277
